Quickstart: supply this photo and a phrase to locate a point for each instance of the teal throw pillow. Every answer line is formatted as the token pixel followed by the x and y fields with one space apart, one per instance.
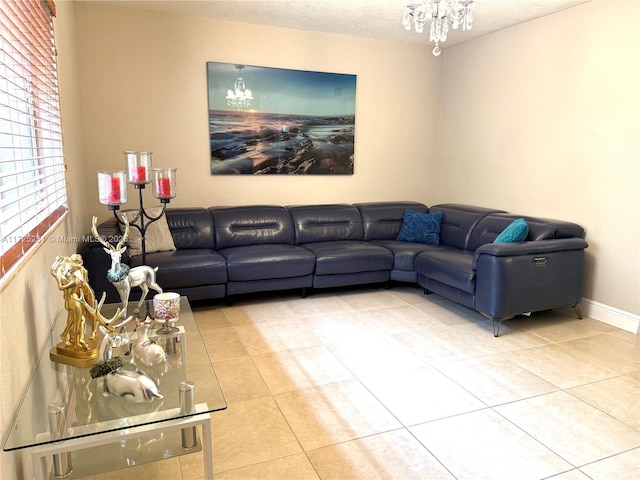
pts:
pixel 420 227
pixel 516 231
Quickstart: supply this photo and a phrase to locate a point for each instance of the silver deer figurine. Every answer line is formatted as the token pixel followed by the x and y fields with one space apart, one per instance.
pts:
pixel 122 276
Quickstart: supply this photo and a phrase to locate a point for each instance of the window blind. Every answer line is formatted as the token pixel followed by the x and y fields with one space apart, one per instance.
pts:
pixel 32 169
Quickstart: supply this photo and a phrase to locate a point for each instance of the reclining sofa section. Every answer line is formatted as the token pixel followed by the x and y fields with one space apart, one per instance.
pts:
pixel 226 251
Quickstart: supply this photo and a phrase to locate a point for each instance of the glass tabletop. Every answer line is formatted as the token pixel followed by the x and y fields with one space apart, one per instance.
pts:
pixel 88 411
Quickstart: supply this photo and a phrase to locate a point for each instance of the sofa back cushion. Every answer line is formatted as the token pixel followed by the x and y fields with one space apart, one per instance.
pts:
pixel 190 227
pixel 251 225
pixel 458 223
pixel 492 225
pixel 323 223
pixel 383 220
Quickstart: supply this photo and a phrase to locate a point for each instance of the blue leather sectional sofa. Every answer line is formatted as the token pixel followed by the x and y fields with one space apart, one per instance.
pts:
pixel 226 251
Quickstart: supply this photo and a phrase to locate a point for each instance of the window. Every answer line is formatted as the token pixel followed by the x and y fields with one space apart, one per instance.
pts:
pixel 32 181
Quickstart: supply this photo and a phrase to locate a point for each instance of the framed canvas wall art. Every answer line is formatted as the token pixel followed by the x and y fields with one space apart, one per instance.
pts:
pixel 265 121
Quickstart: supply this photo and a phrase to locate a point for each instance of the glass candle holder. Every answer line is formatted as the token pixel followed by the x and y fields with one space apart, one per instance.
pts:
pixel 112 188
pixel 138 167
pixel 166 308
pixel 164 184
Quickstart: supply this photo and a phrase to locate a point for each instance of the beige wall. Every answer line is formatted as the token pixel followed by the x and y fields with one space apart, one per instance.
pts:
pixel 544 119
pixel 540 119
pixel 29 299
pixel 143 78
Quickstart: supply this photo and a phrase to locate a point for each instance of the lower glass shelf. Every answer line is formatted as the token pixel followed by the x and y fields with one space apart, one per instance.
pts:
pixel 127 453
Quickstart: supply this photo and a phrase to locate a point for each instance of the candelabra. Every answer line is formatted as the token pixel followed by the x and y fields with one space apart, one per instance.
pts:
pixel 112 190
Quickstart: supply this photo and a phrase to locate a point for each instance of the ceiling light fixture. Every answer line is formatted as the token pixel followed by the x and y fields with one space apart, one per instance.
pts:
pixel 240 97
pixel 439 12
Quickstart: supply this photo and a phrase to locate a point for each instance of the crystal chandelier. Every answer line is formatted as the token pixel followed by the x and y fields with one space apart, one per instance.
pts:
pixel 439 12
pixel 240 96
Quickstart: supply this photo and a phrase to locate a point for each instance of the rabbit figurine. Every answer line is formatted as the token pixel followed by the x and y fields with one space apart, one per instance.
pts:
pixel 147 351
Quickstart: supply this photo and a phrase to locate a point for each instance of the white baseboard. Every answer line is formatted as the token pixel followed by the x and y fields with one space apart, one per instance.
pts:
pixel 611 316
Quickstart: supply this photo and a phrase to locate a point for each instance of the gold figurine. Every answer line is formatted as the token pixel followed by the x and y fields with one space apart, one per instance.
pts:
pixel 78 348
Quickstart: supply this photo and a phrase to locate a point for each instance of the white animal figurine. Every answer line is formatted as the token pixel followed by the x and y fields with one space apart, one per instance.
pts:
pixel 147 351
pixel 135 386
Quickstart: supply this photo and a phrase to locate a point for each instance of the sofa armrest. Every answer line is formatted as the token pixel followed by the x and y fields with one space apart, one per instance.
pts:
pixel 528 248
pixel 516 278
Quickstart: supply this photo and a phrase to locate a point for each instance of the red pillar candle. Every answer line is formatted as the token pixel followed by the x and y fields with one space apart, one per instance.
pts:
pixel 164 188
pixel 138 167
pixel 113 195
pixel 139 174
pixel 164 184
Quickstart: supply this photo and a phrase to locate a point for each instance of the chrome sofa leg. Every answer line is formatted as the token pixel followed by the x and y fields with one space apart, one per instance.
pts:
pixel 497 323
pixel 578 310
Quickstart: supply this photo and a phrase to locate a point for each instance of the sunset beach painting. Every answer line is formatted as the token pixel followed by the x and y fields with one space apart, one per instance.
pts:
pixel 289 122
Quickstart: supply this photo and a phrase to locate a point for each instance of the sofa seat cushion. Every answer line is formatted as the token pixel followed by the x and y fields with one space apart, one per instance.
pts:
pixel 451 266
pixel 346 256
pixel 187 268
pixel 404 253
pixel 268 261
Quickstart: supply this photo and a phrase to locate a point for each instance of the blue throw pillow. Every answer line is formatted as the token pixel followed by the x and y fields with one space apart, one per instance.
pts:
pixel 516 231
pixel 420 227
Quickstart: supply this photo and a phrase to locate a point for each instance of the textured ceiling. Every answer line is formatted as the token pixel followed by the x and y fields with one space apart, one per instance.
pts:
pixel 381 19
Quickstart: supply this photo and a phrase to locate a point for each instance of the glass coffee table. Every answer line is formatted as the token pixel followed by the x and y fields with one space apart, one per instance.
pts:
pixel 71 430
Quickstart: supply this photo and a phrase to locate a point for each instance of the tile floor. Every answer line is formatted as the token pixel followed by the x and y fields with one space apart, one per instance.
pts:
pixel 392 384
